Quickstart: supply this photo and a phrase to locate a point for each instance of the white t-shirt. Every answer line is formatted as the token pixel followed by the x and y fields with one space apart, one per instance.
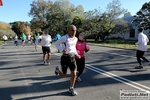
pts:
pixel 70 44
pixel 16 38
pixel 5 37
pixel 29 37
pixel 45 40
pixel 142 42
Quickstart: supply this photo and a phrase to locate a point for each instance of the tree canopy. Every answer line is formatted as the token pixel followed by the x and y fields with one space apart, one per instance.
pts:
pixel 5 29
pixel 20 27
pixel 59 14
pixel 142 17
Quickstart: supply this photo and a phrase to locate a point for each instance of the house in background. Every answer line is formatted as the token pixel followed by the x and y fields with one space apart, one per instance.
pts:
pixel 132 34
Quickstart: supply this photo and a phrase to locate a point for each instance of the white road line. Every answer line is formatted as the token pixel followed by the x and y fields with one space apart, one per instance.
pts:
pixel 118 78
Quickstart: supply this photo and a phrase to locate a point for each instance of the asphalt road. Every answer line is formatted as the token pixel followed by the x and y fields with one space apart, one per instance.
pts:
pixel 108 71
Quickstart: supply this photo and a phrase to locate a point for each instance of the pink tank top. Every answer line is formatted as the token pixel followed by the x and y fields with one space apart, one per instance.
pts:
pixel 80 47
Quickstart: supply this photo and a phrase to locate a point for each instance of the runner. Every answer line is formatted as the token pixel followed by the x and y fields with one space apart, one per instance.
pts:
pixel 57 37
pixel 68 58
pixel 16 40
pixel 23 37
pixel 5 38
pixel 29 39
pixel 35 39
pixel 142 47
pixel 81 48
pixel 46 43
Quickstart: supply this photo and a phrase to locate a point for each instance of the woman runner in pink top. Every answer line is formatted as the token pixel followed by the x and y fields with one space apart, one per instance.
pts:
pixel 81 47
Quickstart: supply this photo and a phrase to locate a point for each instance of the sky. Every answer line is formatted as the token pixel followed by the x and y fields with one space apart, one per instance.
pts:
pixel 17 10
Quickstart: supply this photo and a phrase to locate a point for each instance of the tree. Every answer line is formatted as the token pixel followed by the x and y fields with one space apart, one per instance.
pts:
pixel 106 26
pixel 103 24
pixel 56 16
pixel 113 12
pixel 62 14
pixel 142 17
pixel 18 27
pixel 5 29
pixel 4 26
pixel 127 14
pixel 39 9
pixel 121 26
pixel 77 21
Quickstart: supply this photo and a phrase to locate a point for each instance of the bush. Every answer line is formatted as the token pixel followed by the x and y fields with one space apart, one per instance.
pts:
pixel 6 32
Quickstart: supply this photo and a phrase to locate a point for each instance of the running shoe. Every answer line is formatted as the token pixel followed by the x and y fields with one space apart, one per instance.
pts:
pixel 44 62
pixel 72 91
pixel 56 70
pixel 78 79
pixel 139 67
pixel 48 63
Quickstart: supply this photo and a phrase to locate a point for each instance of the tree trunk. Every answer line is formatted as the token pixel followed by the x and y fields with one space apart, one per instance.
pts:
pixel 103 36
pixel 96 37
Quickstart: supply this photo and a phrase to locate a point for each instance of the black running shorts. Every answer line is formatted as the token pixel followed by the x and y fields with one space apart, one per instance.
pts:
pixel 46 50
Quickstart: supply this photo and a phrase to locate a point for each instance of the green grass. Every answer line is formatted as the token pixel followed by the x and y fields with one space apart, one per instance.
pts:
pixel 122 44
pixel 1 42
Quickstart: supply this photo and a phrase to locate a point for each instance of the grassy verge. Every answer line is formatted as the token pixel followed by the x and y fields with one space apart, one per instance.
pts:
pixel 1 42
pixel 122 44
